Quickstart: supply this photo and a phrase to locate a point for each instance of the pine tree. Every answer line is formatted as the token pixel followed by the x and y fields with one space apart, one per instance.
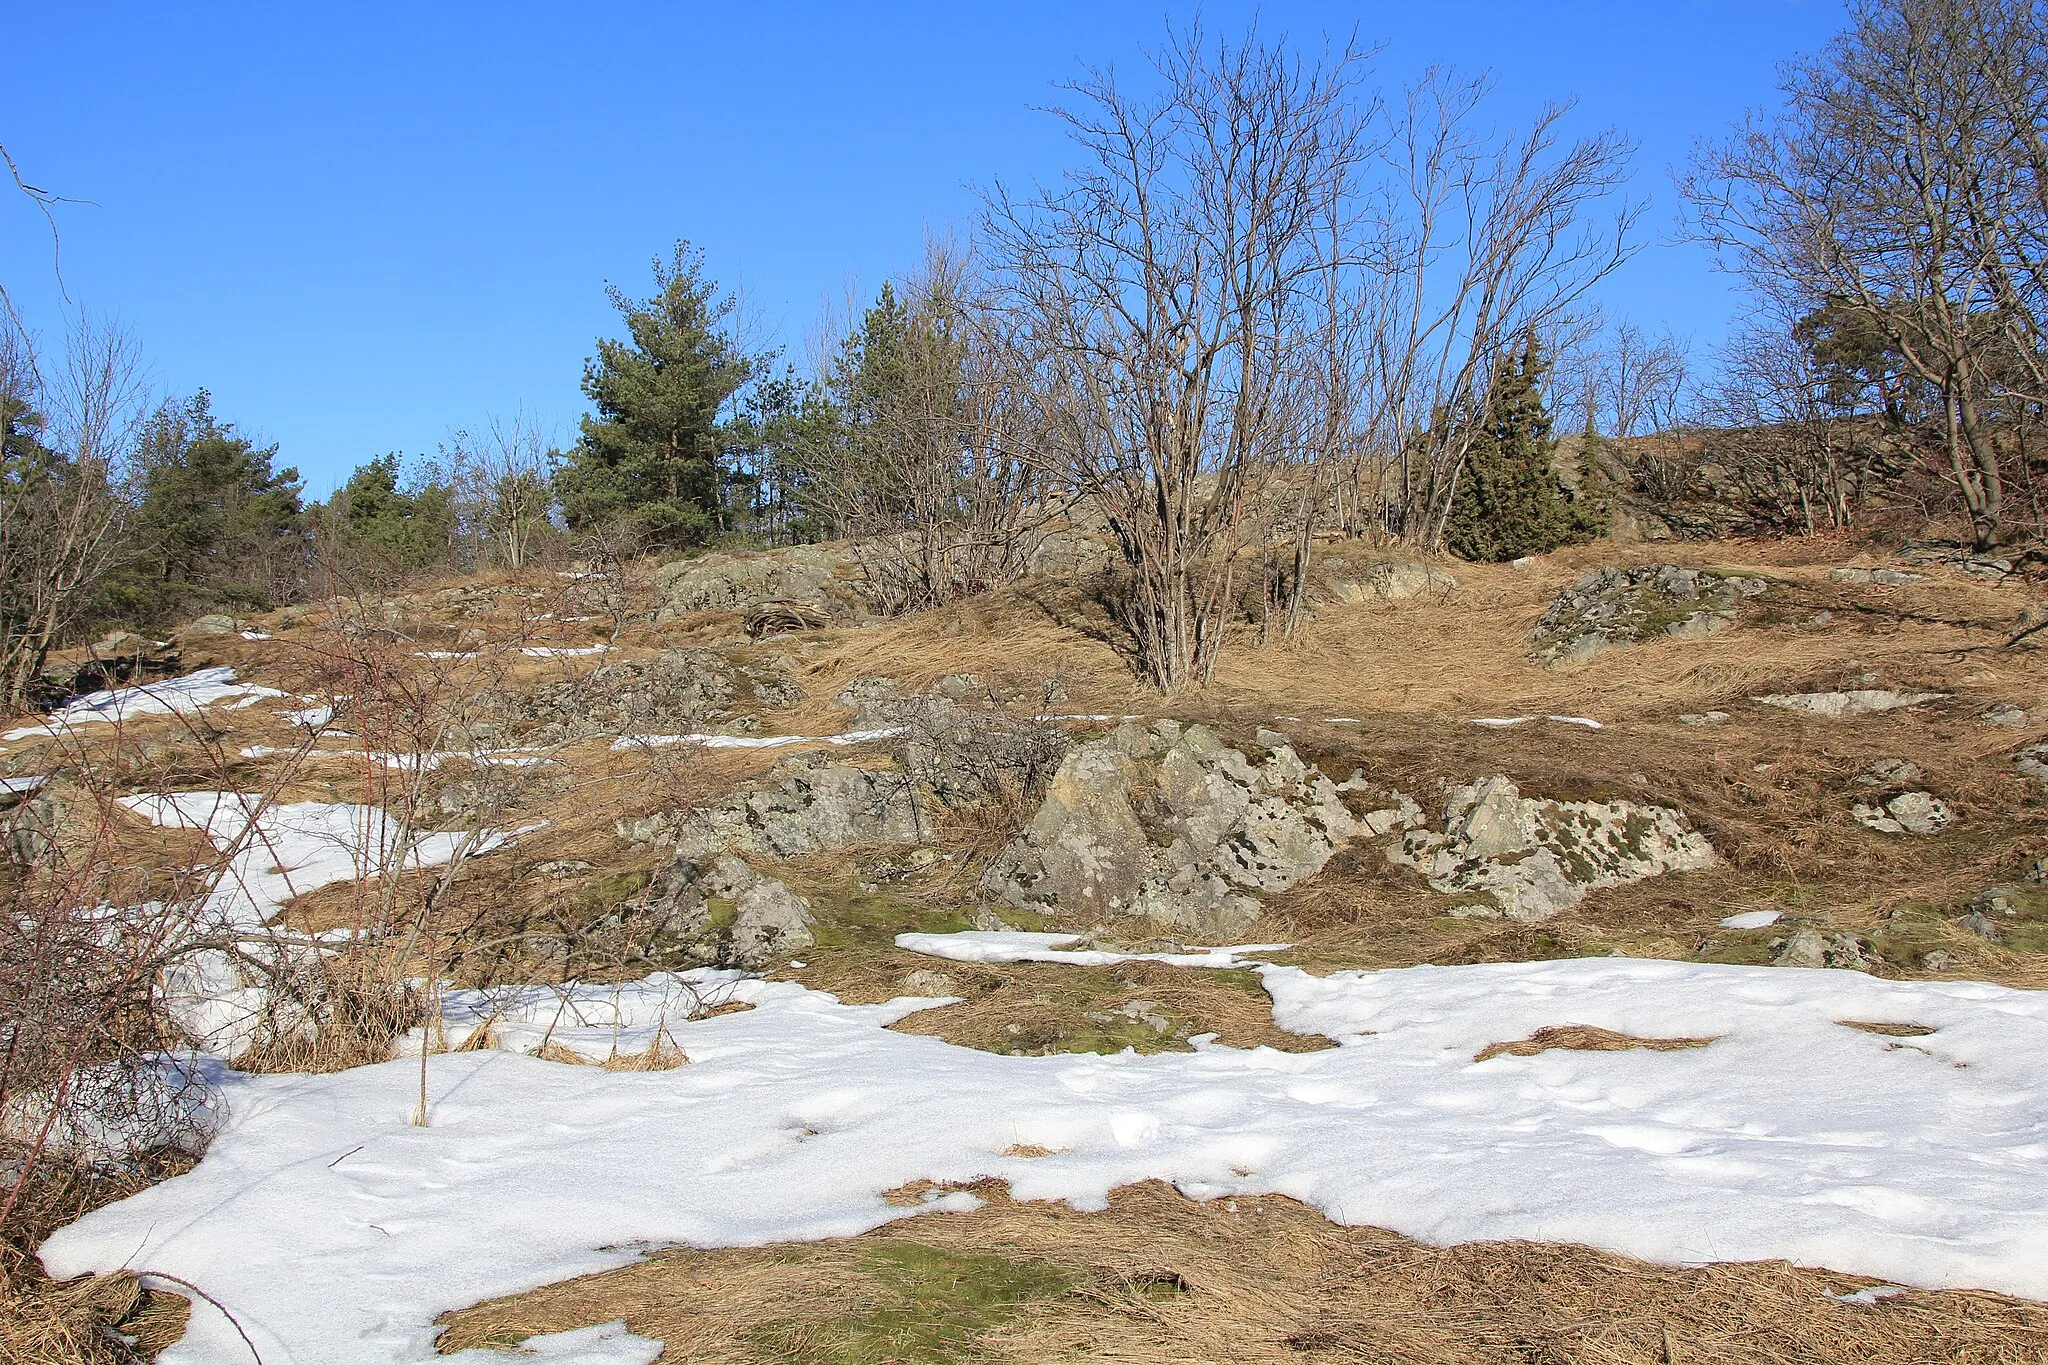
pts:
pixel 219 525
pixel 1509 501
pixel 389 526
pixel 656 451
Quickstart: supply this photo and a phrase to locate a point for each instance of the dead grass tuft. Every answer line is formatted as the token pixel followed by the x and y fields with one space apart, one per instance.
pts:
pixel 1159 1278
pixel 1887 1030
pixel 1584 1038
pixel 93 1320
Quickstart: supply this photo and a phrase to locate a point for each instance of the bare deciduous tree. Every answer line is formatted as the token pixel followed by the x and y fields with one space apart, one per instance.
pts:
pixel 1894 185
pixel 927 462
pixel 65 437
pixel 1161 293
pixel 500 475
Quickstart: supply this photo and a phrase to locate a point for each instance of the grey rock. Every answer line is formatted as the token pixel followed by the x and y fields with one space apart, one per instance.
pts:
pixel 966 756
pixel 1170 823
pixel 210 625
pixel 1855 702
pixel 1914 812
pixel 2004 715
pixel 1889 578
pixel 809 804
pixel 1809 946
pixel 808 575
pixel 1978 923
pixel 720 912
pixel 1704 718
pixel 862 690
pixel 1940 960
pixel 1537 857
pixel 1615 607
pixel 564 867
pixel 1889 772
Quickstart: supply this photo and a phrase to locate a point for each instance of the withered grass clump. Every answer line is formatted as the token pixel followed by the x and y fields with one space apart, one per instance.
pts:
pixel 1158 1278
pixel 93 1320
pixel 1584 1038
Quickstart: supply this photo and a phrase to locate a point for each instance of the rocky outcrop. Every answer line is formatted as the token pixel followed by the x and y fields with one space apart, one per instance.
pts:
pixel 968 755
pixel 677 690
pixel 1814 946
pixel 810 804
pixel 1172 824
pixel 718 911
pixel 1535 857
pixel 811 576
pixel 1611 608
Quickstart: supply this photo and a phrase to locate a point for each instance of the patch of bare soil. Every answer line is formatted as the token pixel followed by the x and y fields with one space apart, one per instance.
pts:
pixel 1160 1278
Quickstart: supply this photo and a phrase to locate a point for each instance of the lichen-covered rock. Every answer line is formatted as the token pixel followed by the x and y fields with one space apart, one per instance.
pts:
pixel 810 575
pixel 1172 824
pixel 810 804
pixel 717 911
pixel 677 690
pixel 1609 608
pixel 1810 946
pixel 964 755
pixel 1860 701
pixel 1537 857
pixel 1911 812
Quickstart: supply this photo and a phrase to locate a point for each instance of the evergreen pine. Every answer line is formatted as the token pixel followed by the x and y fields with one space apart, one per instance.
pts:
pixel 656 452
pixel 1509 501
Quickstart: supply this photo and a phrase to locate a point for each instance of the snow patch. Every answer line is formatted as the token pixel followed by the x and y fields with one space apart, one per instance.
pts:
pixel 183 696
pixel 1016 946
pixel 337 1231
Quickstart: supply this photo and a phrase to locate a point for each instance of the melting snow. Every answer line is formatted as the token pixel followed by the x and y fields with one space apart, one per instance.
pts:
pixel 187 695
pixel 1751 919
pixel 1017 946
pixel 625 742
pixel 336 1231
pixel 1502 722
pixel 293 849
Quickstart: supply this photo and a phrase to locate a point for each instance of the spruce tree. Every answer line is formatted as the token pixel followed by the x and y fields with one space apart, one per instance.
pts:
pixel 1509 501
pixel 656 453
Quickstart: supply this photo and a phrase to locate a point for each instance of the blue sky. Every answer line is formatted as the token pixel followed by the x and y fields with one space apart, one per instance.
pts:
pixel 362 226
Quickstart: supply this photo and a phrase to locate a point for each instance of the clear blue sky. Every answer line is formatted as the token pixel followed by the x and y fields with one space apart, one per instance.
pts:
pixel 361 226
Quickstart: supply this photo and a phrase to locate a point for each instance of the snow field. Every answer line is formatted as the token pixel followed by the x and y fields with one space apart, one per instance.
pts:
pixel 336 1230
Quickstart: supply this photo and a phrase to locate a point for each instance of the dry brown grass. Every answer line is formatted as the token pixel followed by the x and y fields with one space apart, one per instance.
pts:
pixel 1159 1278
pixel 1584 1038
pixel 93 1320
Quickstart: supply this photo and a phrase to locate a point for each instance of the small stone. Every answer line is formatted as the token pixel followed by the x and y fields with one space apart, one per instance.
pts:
pixel 1907 813
pixel 1940 960
pixel 1976 923
pixel 1474 911
pixel 1889 772
pixel 1820 618
pixel 1704 718
pixel 928 981
pixel 2005 715
pixel 564 867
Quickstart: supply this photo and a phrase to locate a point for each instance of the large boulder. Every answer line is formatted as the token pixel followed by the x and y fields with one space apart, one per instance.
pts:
pixel 809 804
pixel 1537 857
pixel 813 576
pixel 1172 824
pixel 1611 608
